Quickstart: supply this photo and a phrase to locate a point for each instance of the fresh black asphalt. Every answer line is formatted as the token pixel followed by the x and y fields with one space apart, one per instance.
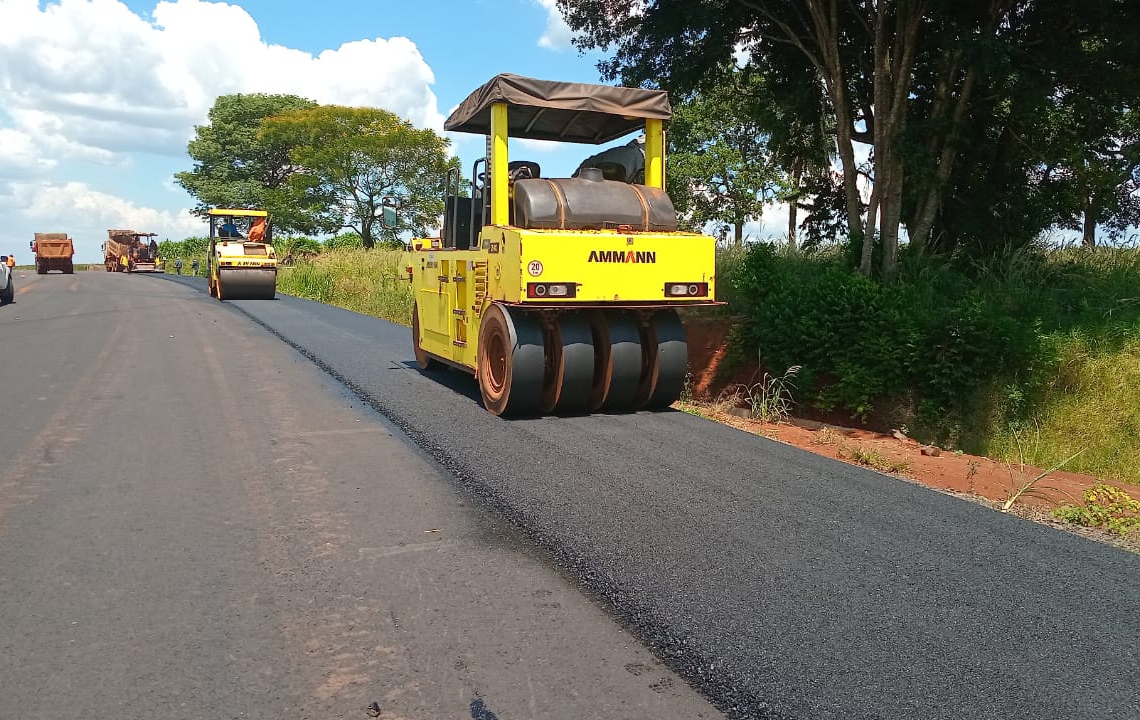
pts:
pixel 779 583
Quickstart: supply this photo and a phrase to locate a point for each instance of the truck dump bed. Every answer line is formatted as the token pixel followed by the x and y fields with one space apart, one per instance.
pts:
pixel 53 251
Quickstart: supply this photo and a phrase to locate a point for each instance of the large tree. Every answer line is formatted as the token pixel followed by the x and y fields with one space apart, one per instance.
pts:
pixel 350 161
pixel 948 93
pixel 234 165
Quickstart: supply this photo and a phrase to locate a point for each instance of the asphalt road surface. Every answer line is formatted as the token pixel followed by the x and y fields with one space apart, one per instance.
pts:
pixel 196 522
pixel 778 583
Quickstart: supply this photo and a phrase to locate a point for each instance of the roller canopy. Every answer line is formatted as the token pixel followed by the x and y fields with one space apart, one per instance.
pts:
pixel 562 111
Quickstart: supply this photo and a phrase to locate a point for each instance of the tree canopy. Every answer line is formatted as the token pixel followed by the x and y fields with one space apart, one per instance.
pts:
pixel 988 121
pixel 349 161
pixel 720 168
pixel 234 166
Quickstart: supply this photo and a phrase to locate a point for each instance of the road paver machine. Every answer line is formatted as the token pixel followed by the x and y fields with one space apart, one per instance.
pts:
pixel 130 251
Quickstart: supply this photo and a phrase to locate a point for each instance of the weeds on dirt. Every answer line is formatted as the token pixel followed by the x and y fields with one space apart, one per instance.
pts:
pixel 874 459
pixel 687 389
pixel 769 399
pixel 728 399
pixel 825 436
pixel 1104 506
pixel 1028 487
pixel 971 471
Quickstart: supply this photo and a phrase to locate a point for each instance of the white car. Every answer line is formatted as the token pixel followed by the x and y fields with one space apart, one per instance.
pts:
pixel 7 287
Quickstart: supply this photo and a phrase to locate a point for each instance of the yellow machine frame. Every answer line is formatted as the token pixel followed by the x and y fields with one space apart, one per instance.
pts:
pixel 251 267
pixel 517 268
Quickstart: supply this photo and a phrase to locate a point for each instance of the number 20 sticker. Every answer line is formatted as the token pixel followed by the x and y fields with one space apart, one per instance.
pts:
pixel 534 268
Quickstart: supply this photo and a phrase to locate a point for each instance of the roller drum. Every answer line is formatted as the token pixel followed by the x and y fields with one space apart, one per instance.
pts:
pixel 247 283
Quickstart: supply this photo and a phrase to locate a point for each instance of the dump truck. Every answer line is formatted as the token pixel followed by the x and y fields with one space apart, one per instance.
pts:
pixel 560 294
pixel 53 251
pixel 130 251
pixel 241 264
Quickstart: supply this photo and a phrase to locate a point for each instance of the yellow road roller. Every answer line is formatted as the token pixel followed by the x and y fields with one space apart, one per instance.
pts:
pixel 241 264
pixel 560 294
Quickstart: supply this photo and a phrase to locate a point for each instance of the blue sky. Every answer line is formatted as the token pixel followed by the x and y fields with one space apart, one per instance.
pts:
pixel 99 97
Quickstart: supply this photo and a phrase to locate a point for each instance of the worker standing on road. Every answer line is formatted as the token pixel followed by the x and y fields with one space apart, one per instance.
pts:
pixel 124 262
pixel 194 266
pixel 178 266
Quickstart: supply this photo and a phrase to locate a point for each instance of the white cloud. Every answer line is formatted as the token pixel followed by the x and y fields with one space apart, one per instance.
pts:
pixel 20 158
pixel 88 84
pixel 772 225
pixel 539 146
pixel 86 77
pixel 558 35
pixel 84 213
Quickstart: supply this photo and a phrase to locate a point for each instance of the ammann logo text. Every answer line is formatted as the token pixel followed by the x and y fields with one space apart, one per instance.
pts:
pixel 623 256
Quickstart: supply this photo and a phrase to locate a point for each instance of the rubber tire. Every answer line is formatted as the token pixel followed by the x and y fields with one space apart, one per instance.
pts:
pixel 617 360
pixel 665 361
pixel 40 270
pixel 569 373
pixel 8 294
pixel 69 269
pixel 423 360
pixel 510 361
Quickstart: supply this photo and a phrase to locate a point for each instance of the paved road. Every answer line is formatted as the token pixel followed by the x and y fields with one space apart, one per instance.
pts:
pixel 781 584
pixel 196 522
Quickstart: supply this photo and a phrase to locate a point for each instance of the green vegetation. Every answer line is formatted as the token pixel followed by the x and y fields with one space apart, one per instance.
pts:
pixel 347 162
pixel 768 399
pixel 365 281
pixel 318 168
pixel 189 249
pixel 1105 506
pixel 233 166
pixel 990 122
pixel 966 354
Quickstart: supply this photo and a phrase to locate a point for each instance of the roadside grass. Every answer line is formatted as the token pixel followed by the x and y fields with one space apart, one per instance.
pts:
pixel 1091 403
pixel 364 281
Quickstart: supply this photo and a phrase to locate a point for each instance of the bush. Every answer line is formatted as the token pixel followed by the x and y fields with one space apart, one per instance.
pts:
pixel 961 352
pixel 345 241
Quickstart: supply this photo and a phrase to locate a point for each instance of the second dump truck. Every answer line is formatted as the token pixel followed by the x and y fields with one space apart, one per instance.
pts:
pixel 561 294
pixel 53 251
